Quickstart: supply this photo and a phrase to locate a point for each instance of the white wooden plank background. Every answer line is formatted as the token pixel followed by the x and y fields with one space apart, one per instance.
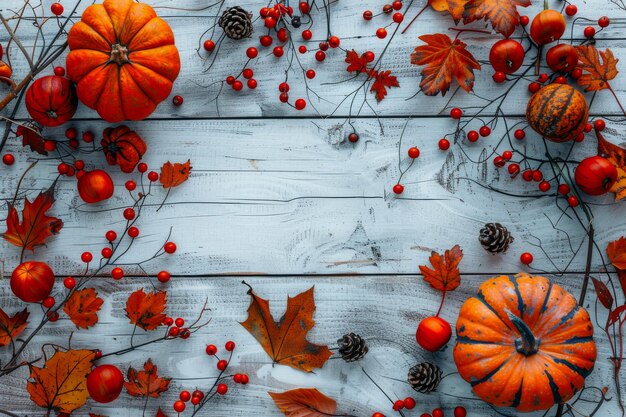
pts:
pixel 282 195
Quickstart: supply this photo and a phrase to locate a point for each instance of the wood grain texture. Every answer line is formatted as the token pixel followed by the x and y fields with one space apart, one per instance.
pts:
pixel 384 310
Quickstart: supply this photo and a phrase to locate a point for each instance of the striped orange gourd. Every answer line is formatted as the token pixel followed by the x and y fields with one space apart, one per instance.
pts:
pixel 558 112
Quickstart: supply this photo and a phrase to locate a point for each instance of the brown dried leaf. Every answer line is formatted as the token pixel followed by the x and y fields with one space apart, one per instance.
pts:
pixel 596 74
pixel 172 175
pixel 304 402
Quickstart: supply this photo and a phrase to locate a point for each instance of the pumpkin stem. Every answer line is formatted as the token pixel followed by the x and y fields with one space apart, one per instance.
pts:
pixel 119 54
pixel 527 344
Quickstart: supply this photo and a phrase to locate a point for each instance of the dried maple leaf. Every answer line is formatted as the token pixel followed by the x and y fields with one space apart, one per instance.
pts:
pixel 502 14
pixel 11 327
pixel 356 62
pixel 31 136
pixel 382 80
pixel 304 402
pixel 61 385
pixel 454 7
pixel 446 275
pixel 596 74
pixel 617 253
pixel 172 175
pixel 444 60
pixel 146 383
pixel 603 293
pixel 82 307
pixel 35 226
pixel 146 310
pixel 617 156
pixel 285 341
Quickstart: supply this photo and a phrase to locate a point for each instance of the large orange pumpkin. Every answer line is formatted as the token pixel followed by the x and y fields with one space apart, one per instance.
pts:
pixel 558 112
pixel 123 59
pixel 524 343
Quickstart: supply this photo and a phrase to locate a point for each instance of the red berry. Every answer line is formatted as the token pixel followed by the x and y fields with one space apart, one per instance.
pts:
pixel 526 258
pixel 169 247
pixel 580 137
pixel 266 40
pixel 542 78
pixel 264 12
pixel 409 403
pixel 334 41
pixel 252 84
pixel 560 80
pixel 437 412
pixel 179 406
pixel 244 379
pixel 168 321
pixel 284 97
pixel 398 189
pixel 117 273
pixel 179 322
pixel 524 20
pixel 73 143
pixel 248 73
pixel 381 33
pixel 499 161
pixel 527 175
pixel 576 73
pixel 603 21
pixel 513 169
pixel 59 71
pixel 209 45
pixel 69 283
pixel 282 35
pixel 320 56
pixel 130 185
pixel 589 32
pixel 398 17
pixel 185 333
pixel 237 378
pixel 534 87
pixel 53 316
pixel 324 46
pixel 237 85
pixel 310 74
pixel 456 113
pixel 230 80
pixel 198 393
pixel 519 134
pixel 71 133
pixel 270 22
pixel 572 200
pixel 367 15
pixel 229 346
pixel 460 412
pixel 397 5
pixel 283 87
pixel 398 405
pixel 70 172
pixel 353 137
pixel 472 136
pixel 571 10
pixel 211 350
pixel 377 414
pixel 79 164
pixel 307 34
pixel 499 77
pixel 414 152
pixel 56 9
pixel 222 389
pixel 252 52
pixel 563 189
pixel 304 7
pixel 185 396
pixel 544 186
pixel 177 100
pixel 49 145
pixel 537 175
pixel 278 51
pixel 163 276
pixel 507 155
pixel 8 159
pixel 133 232
pixel 63 168
pixel 48 302
pixel 174 331
pixel 484 131
pixel 599 125
pixel 195 400
pixel 142 167
pixel 222 365
pixel 302 49
pixel 444 144
pixel 106 253
pixel 129 213
pixel 86 257
pixel 300 104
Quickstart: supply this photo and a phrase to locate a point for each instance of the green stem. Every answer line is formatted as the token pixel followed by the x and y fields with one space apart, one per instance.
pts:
pixel 527 344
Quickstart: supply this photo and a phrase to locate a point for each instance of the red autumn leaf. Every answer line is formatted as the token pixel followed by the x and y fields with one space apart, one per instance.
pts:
pixel 123 147
pixel 382 80
pixel 172 175
pixel 617 253
pixel 596 74
pixel 146 310
pixel 146 383
pixel 444 60
pixel 446 275
pixel 617 156
pixel 12 326
pixel 603 293
pixel 356 62
pixel 285 340
pixel 454 7
pixel 304 402
pixel 160 413
pixel 35 226
pixel 502 14
pixel 31 136
pixel 82 308
pixel 95 415
pixel 615 314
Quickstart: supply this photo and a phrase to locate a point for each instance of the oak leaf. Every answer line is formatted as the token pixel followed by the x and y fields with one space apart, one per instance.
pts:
pixel 603 293
pixel 35 226
pixel 285 341
pixel 304 402
pixel 596 74
pixel 82 307
pixel 146 383
pixel 617 156
pixel 12 326
pixel 454 7
pixel 31 136
pixel 172 175
pixel 146 310
pixel 444 60
pixel 382 80
pixel 356 62
pixel 61 385
pixel 446 275
pixel 502 14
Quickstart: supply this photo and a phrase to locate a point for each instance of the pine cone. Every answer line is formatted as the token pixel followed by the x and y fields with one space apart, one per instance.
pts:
pixel 352 347
pixel 424 377
pixel 495 238
pixel 236 22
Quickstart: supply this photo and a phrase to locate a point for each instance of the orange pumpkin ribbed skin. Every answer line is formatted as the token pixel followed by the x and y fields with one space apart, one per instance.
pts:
pixel 558 112
pixel 487 352
pixel 123 59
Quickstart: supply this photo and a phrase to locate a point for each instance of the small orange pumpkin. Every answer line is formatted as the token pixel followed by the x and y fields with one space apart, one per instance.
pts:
pixel 123 59
pixel 558 112
pixel 524 343
pixel 123 147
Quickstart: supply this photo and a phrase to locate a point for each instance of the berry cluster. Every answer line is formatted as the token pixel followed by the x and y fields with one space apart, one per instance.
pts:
pixel 387 9
pixel 176 328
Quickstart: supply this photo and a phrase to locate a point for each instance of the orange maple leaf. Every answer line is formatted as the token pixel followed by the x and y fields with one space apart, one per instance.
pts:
pixel 617 156
pixel 146 383
pixel 31 136
pixel 454 7
pixel 82 307
pixel 304 402
pixel 444 60
pixel 285 341
pixel 596 74
pixel 172 175
pixel 11 327
pixel 35 226
pixel 382 80
pixel 357 63
pixel 446 275
pixel 502 14
pixel 617 253
pixel 146 310
pixel 61 385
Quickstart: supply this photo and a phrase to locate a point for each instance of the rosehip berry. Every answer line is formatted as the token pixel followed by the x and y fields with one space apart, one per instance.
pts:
pixel 544 186
pixel 398 189
pixel 499 77
pixel 283 87
pixel 320 56
pixel 230 80
pixel 71 133
pixel 282 35
pixel 133 232
pixel 209 45
pixel 163 276
pixel 300 104
pixel 542 78
pixel 179 406
pixel 560 80
pixel 460 412
pixel 229 346
pixel 397 5
pixel 248 73
pixel 310 74
pixel 69 283
pixel 222 389
pixel 252 52
pixel 79 164
pixel 304 7
pixel 270 22
pixel 367 15
pixel 572 200
pixel 526 258
pixel 381 33
pixel 284 97
pixel 129 213
pixel 484 131
pixel 195 400
pixel 571 10
pixel 576 73
pixel 53 316
pixel 174 331
pixel 472 136
pixel 48 302
pixel 456 113
pixel 49 145
pixel 307 34
pixel 513 169
pixel 245 379
pixel 444 144
pixel 117 273
pixel 56 9
pixel 603 21
pixel 353 137
pixel 409 403
pixel 177 100
pixel 106 253
pixel 589 32
pixel 519 134
pixel 599 125
pixel 237 378
pixel 63 168
pixel 142 167
pixel 86 257
pixel 222 365
pixel 414 152
pixel 8 159
pixel 563 189
pixel 198 393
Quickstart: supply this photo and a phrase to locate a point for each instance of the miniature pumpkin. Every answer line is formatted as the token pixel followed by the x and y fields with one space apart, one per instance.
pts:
pixel 5 71
pixel 123 59
pixel 123 147
pixel 524 343
pixel 51 100
pixel 558 112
